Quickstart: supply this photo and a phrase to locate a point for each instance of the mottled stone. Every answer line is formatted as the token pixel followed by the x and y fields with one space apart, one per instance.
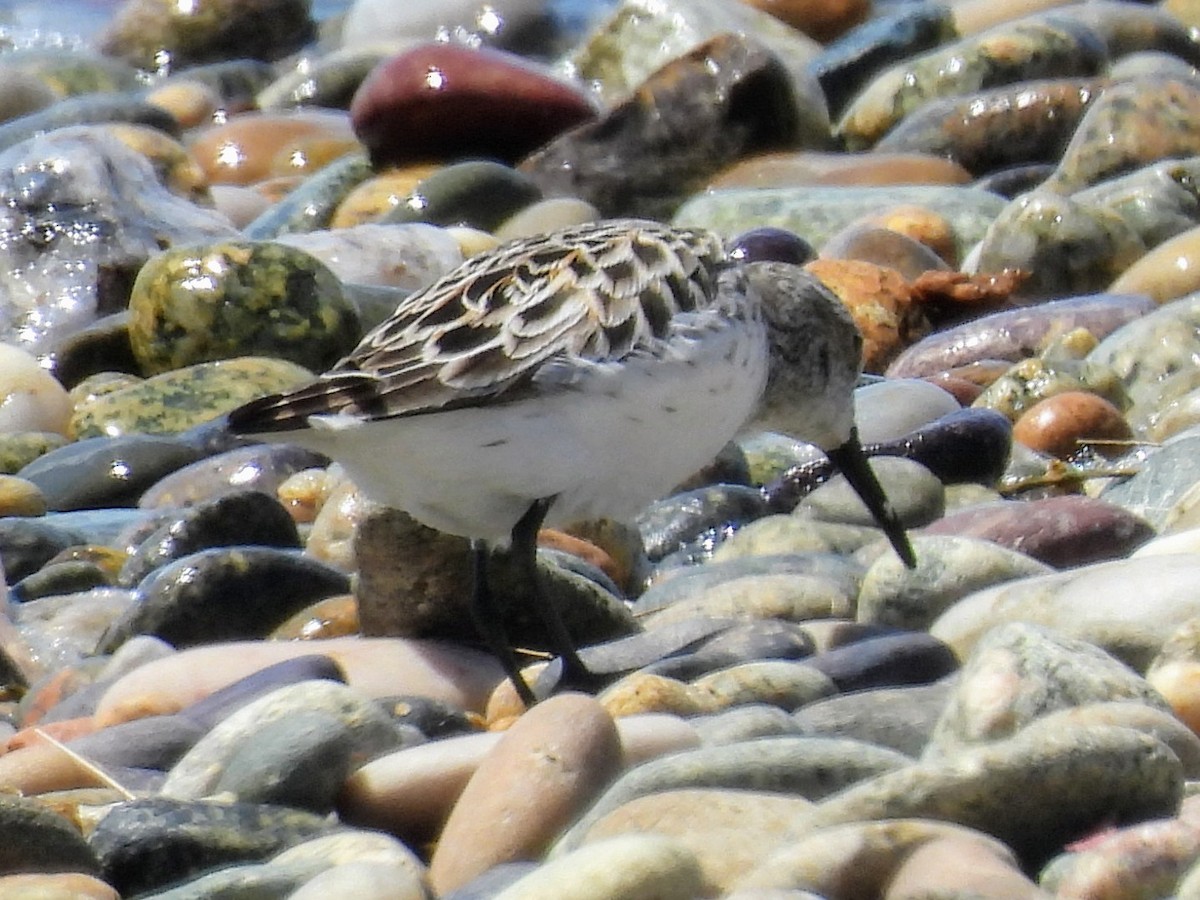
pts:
pixel 901 718
pixel 781 683
pixel 313 204
pixel 1129 125
pixel 915 493
pixel 1059 531
pixel 34 839
pixel 482 103
pixel 1148 718
pixel 1167 272
pixel 755 640
pixel 201 304
pixel 785 534
pixel 1090 603
pixel 744 723
pixel 1018 673
pixel 1014 124
pixel 225 593
pixel 783 169
pixel 261 467
pixel 478 193
pixel 539 757
pixel 1023 50
pixel 949 567
pixel 293 746
pixel 672 522
pixel 149 843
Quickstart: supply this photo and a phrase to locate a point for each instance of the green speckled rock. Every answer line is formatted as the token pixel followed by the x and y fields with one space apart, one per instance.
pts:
pixel 173 402
pixel 236 298
pixel 19 450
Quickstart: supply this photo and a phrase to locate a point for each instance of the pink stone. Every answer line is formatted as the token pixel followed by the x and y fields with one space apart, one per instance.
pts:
pixel 447 101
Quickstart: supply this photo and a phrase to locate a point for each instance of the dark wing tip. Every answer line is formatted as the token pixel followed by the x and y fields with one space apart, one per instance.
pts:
pixel 290 411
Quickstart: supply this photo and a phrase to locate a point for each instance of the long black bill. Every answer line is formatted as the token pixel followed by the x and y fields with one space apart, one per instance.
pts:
pixel 851 460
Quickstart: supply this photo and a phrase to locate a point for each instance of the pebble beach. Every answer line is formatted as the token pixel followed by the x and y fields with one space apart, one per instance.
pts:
pixel 226 673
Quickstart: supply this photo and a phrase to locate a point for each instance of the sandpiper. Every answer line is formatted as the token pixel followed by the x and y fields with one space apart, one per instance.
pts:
pixel 577 374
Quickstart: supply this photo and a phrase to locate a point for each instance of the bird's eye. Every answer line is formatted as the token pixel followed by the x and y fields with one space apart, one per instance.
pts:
pixel 771 245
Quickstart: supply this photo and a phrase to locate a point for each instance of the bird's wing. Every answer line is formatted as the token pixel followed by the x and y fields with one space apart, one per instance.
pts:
pixel 595 292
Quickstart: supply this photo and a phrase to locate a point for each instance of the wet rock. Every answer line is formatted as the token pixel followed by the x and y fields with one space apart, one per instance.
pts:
pixel 206 31
pixel 147 844
pixel 1065 423
pixel 816 167
pixel 224 594
pixel 478 193
pixel 38 840
pixel 1059 531
pixel 79 202
pixel 181 313
pixel 250 147
pixel 1017 124
pixel 670 523
pixel 758 640
pixel 822 22
pixel 484 102
pixel 260 467
pixel 883 247
pixel 886 661
pixel 1023 50
pixel 847 64
pixel 729 95
pixel 1166 273
pixel 106 472
pixel 244 518
pixel 312 205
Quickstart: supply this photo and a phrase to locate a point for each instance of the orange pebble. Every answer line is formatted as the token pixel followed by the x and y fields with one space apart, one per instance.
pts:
pixel 1060 424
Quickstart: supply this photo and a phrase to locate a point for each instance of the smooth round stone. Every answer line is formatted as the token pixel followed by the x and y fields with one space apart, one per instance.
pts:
pixel 1062 424
pixel 1018 673
pixel 781 169
pixel 641 692
pixel 1104 144
pixel 883 247
pixel 58 578
pixel 915 493
pixel 260 467
pixel 449 101
pixel 672 522
pixel 149 843
pixel 1162 491
pixel 103 472
pixel 546 215
pixel 757 640
pixel 782 683
pixel 1035 791
pixel 1152 857
pixel 807 767
pixel 402 256
pixel 558 755
pixel 31 399
pixel 661 143
pixel 244 149
pixel 36 839
pixel 156 742
pixel 242 518
pixel 19 450
pixel 478 193
pixel 728 831
pixel 303 202
pixel 19 497
pixel 871 855
pixel 890 409
pixel 1034 48
pixel 900 718
pixel 348 846
pixel 879 300
pixel 1090 603
pixel 223 755
pixel 1166 273
pixel 191 103
pixel 818 213
pixel 372 199
pixel 208 303
pixel 224 593
pixel 364 881
pixel 1017 333
pixel 821 21
pixel 154 34
pixel 331 617
pixel 65 886
pixel 1060 531
pixel 785 534
pixel 628 867
pixel 949 567
pixel 1153 720
pixel 1053 372
pixel 744 723
pixel 181 399
pixel 885 661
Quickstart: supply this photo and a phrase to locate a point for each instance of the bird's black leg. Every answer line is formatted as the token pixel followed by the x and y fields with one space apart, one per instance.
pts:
pixel 490 625
pixel 524 548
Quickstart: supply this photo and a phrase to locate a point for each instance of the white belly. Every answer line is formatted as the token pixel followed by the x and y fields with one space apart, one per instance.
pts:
pixel 622 435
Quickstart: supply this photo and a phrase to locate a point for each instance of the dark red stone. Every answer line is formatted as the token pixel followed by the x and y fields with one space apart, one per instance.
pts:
pixel 448 101
pixel 1060 531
